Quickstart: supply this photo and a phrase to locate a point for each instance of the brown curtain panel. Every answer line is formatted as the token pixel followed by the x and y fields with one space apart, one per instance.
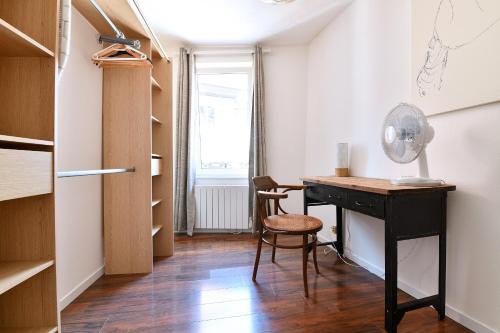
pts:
pixel 184 207
pixel 257 157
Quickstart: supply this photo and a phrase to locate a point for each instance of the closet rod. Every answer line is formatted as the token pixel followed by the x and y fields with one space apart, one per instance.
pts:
pixel 117 32
pixel 119 35
pixel 79 173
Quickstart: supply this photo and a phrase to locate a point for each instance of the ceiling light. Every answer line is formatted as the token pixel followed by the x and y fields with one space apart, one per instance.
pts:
pixel 277 2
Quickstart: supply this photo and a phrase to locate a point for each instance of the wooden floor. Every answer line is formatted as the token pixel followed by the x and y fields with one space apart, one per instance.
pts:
pixel 207 287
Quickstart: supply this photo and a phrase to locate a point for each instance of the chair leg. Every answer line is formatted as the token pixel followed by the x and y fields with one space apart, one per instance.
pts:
pixel 275 237
pixel 257 258
pixel 315 246
pixel 305 253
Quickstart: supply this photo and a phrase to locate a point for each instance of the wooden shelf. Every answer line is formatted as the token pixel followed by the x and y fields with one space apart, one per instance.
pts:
pixel 155 120
pixel 13 273
pixel 29 330
pixel 156 156
pixel 16 43
pixel 156 228
pixel 155 84
pixel 24 141
pixel 155 202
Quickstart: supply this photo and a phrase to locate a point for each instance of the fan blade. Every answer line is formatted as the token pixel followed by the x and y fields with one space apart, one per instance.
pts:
pixel 399 148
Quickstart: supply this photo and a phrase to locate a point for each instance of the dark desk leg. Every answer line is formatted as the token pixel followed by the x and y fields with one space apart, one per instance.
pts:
pixel 391 279
pixel 339 244
pixel 305 204
pixel 442 262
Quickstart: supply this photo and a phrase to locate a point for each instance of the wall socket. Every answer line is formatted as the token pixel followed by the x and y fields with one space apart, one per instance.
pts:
pixel 333 229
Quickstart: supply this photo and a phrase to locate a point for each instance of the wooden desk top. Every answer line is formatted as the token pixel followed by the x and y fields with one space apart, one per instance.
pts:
pixel 373 185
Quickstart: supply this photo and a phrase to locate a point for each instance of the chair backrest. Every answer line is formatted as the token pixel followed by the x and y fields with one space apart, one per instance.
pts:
pixel 263 183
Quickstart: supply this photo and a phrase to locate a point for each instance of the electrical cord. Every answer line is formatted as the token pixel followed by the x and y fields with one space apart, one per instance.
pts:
pixel 327 252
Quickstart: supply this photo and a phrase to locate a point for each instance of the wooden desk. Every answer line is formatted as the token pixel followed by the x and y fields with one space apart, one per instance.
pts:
pixel 408 212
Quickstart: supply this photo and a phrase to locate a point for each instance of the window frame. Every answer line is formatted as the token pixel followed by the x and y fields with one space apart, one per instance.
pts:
pixel 217 174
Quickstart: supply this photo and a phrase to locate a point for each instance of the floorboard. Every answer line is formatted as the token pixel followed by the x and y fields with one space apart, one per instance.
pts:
pixel 207 287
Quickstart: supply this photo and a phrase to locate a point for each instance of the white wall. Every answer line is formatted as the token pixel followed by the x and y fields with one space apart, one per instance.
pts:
pixel 79 200
pixel 358 70
pixel 285 71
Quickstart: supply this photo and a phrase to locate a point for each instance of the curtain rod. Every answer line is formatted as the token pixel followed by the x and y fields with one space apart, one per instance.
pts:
pixel 226 51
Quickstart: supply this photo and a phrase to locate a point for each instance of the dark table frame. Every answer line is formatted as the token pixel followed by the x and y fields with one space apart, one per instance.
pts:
pixel 407 215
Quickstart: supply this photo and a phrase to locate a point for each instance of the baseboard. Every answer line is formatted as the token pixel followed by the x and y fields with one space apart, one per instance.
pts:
pixel 451 312
pixel 80 288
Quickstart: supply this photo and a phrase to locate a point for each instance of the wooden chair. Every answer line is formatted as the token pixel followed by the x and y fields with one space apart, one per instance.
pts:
pixel 274 223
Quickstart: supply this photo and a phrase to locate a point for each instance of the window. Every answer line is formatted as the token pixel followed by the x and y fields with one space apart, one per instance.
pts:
pixel 224 104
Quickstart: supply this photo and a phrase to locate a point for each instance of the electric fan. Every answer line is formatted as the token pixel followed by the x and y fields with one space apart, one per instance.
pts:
pixel 405 135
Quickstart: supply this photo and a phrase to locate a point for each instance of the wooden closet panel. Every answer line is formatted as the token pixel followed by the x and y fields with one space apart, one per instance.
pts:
pixel 27 95
pixel 162 145
pixel 32 303
pixel 127 143
pixel 28 295
pixel 27 228
pixel 35 18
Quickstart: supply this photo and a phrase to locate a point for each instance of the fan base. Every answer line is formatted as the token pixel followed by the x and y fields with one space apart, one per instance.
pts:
pixel 416 181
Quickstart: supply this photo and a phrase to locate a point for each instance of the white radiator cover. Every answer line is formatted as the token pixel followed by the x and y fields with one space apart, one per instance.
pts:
pixel 222 208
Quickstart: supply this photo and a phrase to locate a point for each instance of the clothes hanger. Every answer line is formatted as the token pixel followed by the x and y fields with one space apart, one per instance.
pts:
pixel 122 51
pixel 119 54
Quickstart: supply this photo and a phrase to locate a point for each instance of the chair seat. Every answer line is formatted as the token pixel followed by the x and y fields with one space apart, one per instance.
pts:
pixel 293 224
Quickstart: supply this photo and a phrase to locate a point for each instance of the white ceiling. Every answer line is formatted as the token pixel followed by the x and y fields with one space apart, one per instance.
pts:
pixel 239 22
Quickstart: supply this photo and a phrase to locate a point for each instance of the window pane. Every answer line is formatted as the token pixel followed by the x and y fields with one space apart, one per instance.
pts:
pixel 224 122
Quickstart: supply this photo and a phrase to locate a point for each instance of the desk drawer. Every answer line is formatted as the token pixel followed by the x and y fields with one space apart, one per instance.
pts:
pixel 331 195
pixel 369 204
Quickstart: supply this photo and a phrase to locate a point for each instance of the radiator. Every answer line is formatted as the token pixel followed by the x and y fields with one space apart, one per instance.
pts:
pixel 222 208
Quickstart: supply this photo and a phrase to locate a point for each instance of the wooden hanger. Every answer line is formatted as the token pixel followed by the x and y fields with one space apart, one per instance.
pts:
pixel 118 54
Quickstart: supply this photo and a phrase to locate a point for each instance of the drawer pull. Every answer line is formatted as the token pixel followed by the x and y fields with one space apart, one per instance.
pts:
pixel 362 204
pixel 336 196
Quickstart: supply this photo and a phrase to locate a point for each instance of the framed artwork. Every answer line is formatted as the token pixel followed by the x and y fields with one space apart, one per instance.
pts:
pixel 455 54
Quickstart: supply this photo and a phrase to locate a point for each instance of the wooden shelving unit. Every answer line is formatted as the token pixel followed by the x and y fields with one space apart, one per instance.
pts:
pixel 136 227
pixel 13 273
pixel 20 44
pixel 14 140
pixel 156 229
pixel 155 84
pixel 28 298
pixel 163 239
